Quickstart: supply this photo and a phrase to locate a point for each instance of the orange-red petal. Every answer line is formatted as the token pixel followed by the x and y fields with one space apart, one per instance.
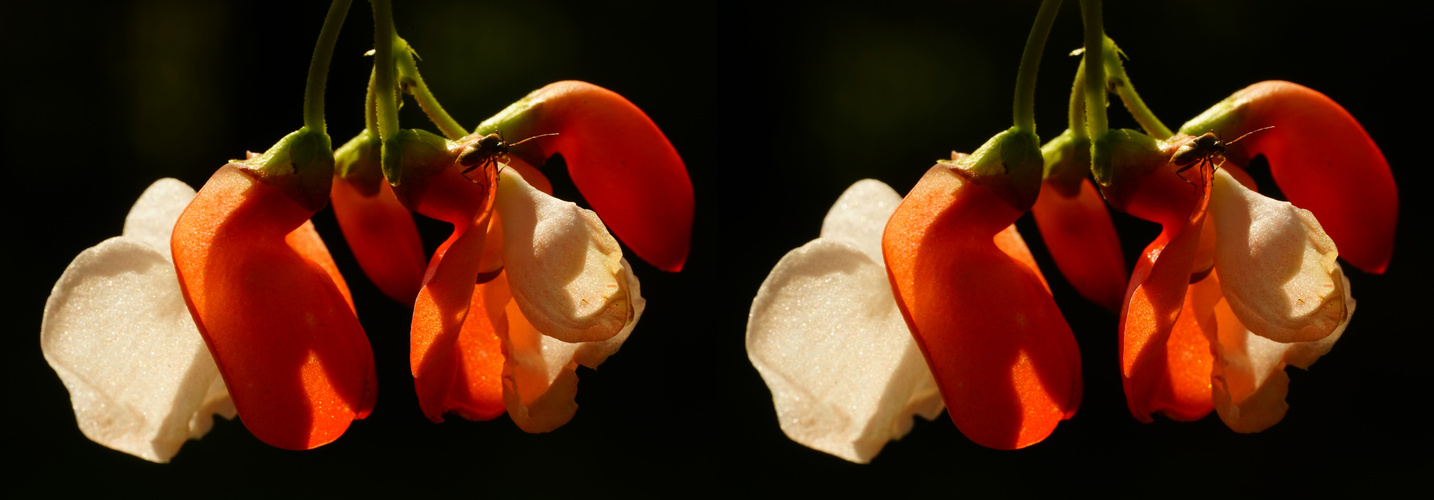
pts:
pixel 1157 295
pixel 1322 159
pixel 383 237
pixel 1082 240
pixel 282 329
pixel 617 157
pixel 1004 357
pixel 439 356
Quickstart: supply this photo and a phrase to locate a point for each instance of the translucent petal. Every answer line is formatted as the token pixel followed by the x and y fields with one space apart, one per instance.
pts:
pixel 1249 380
pixel 826 335
pixel 1277 266
pixel 564 268
pixel 151 219
pixel 117 332
pixel 859 215
pixel 539 371
pixel 540 378
pixel 592 354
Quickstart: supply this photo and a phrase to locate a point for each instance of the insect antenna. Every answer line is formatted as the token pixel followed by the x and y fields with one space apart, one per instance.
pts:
pixel 511 144
pixel 1247 134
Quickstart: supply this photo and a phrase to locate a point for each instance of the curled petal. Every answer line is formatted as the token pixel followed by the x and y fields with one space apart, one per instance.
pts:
pixel 592 354
pixel 264 295
pixel 1082 240
pixel 540 379
pixel 623 165
pixel 564 269
pixel 540 372
pixel 1276 264
pixel 1323 160
pixel 826 335
pixel 1155 299
pixel 453 320
pixel 383 237
pixel 1005 359
pixel 1249 379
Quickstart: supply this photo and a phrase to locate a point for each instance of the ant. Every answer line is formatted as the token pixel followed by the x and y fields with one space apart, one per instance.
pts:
pixel 488 150
pixel 1203 151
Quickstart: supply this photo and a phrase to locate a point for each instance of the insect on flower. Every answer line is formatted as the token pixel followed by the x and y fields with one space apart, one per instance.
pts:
pixel 1200 152
pixel 487 151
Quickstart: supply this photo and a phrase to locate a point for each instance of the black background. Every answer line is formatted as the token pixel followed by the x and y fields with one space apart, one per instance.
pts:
pixel 775 108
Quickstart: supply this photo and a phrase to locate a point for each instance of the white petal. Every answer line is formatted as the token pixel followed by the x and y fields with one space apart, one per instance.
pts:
pixel 859 215
pixel 1277 266
pixel 564 268
pixel 826 335
pixel 117 332
pixel 151 219
pixel 1249 380
pixel 540 380
pixel 1304 354
pixel 539 372
pixel 592 354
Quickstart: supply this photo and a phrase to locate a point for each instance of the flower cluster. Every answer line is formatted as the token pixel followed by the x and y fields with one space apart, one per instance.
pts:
pixel 1236 287
pixel 227 301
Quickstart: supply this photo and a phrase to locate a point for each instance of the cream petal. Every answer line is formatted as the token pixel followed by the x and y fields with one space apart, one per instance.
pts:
pixel 1304 354
pixel 826 335
pixel 1249 380
pixel 564 268
pixel 118 334
pixel 539 372
pixel 540 380
pixel 592 354
pixel 151 219
pixel 1277 266
pixel 859 215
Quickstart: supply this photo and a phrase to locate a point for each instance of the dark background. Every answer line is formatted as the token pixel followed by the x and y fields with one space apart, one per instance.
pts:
pixel 775 108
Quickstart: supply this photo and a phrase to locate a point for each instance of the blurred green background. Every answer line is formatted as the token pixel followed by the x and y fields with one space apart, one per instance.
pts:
pixel 775 107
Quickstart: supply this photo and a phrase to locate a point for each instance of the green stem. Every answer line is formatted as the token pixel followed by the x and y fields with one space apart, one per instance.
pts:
pixel 1076 118
pixel 1025 107
pixel 1123 88
pixel 412 82
pixel 370 111
pixel 319 66
pixel 1095 120
pixel 384 74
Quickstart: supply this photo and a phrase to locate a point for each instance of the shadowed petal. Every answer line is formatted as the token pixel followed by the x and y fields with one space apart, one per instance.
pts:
pixel 1003 355
pixel 1082 240
pixel 264 293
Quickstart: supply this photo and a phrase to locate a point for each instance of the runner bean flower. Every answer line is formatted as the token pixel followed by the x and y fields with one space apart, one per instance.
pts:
pixel 1236 286
pixel 553 290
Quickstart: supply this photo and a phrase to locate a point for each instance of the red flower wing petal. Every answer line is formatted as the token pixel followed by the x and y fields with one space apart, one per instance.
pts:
pixel 1157 295
pixel 618 159
pixel 1003 356
pixel 280 327
pixel 438 354
pixel 1322 159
